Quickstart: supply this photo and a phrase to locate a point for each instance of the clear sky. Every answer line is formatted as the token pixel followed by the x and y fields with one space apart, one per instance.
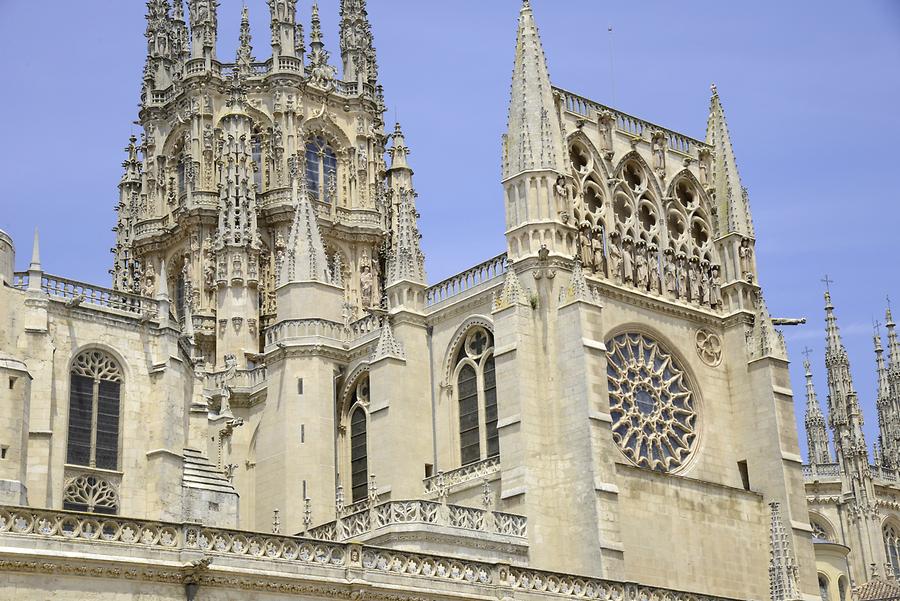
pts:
pixel 810 88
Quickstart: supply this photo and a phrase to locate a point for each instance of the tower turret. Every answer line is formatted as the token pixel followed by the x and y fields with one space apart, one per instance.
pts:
pixel 204 29
pixel 534 172
pixel 816 434
pixel 287 36
pixel 357 44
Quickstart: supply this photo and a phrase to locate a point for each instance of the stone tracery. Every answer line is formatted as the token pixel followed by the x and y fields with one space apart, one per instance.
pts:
pixel 653 410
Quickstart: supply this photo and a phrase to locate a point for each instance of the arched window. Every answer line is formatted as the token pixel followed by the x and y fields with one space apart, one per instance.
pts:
pixel 94 398
pixel 823 587
pixel 892 546
pixel 321 170
pixel 476 393
pixel 821 532
pixel 359 449
pixel 842 588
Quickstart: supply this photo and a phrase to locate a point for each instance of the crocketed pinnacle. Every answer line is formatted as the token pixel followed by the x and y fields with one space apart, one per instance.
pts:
pixel 131 165
pixel 782 563
pixel 882 370
pixel 357 43
pixel 765 340
pixel 533 140
pixel 893 342
pixel 315 36
pixel 731 197
pixel 244 60
pixel 305 258
pixel 387 346
pixel 512 293
pixel 406 261
pixel 816 434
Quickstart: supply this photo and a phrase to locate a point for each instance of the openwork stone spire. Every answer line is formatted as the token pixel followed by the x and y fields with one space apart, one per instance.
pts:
pixel 406 261
pixel 888 417
pixel 534 140
pixel 388 346
pixel 783 569
pixel 816 434
pixel 357 43
pixel 305 258
pixel 731 197
pixel 893 342
pixel 244 60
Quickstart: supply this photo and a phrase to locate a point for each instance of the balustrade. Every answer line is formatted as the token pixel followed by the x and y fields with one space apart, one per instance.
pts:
pixel 82 293
pixel 456 285
pixel 444 481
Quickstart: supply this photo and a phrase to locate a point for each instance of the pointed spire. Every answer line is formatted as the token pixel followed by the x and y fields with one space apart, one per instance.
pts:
pixel 881 368
pixel 315 39
pixel 782 563
pixel 406 261
pixel 35 253
pixel 321 74
pixel 357 43
pixel 578 289
pixel 834 346
pixel 534 140
pixel 131 165
pixel 388 346
pixel 399 151
pixel 512 293
pixel 816 434
pixel 731 197
pixel 765 340
pixel 305 257
pixel 244 60
pixel 893 342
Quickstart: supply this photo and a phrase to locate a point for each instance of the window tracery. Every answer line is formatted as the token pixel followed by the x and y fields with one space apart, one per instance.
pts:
pixel 476 394
pixel 357 423
pixel 94 397
pixel 891 535
pixel 653 409
pixel 820 531
pixel 321 170
pixel 91 494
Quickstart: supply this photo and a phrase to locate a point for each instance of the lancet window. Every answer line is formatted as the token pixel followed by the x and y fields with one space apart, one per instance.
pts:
pixel 321 170
pixel 891 535
pixel 476 393
pixel 357 425
pixel 94 410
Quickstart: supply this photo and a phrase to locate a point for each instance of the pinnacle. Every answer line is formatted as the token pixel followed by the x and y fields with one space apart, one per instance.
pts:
pixel 731 196
pixel 305 258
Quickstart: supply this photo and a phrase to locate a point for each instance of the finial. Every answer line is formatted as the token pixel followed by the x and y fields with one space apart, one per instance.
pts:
pixel 35 253
pixel 828 282
pixel 276 522
pixel 307 514
pixel 714 89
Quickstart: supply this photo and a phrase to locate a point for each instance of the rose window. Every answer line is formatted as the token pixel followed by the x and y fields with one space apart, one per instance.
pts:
pixel 653 410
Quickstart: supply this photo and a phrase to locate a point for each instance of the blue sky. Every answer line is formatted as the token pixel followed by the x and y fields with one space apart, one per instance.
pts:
pixel 810 88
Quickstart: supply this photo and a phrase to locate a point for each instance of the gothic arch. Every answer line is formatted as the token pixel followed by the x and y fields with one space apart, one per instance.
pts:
pixel 345 400
pixel 329 130
pixel 457 340
pixel 598 164
pixel 635 156
pixel 827 529
pixel 103 348
pixel 258 118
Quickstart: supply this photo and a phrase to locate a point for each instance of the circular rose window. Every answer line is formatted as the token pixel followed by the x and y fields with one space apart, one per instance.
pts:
pixel 654 417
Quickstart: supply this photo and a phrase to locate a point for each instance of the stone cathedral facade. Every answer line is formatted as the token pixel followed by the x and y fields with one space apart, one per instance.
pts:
pixel 271 400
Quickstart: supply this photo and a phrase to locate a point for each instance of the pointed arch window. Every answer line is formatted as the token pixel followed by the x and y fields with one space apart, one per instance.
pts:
pixel 357 423
pixel 476 393
pixel 94 409
pixel 892 545
pixel 321 170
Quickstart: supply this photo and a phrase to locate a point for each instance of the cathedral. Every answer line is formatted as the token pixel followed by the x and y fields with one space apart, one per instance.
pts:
pixel 271 400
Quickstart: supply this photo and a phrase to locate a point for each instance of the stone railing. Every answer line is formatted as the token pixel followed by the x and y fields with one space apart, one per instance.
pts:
pixel 883 473
pixel 814 471
pixel 240 379
pixel 113 536
pixel 305 328
pixel 82 293
pixel 372 517
pixel 363 217
pixel 627 123
pixel 444 481
pixel 484 272
pixel 150 227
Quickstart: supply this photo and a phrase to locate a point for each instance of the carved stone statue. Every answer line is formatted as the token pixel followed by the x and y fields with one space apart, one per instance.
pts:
pixel 561 191
pixel 586 251
pixel 366 286
pixel 681 276
pixel 671 274
pixel 599 259
pixel 628 260
pixel 615 260
pixel 653 269
pixel 715 287
pixel 745 254
pixel 694 279
pixel 704 283
pixel 642 277
pixel 149 288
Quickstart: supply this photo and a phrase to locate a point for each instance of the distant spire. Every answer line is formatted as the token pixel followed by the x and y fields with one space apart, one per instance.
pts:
pixel 816 434
pixel 881 369
pixel 534 140
pixel 35 253
pixel 244 60
pixel 893 342
pixel 731 197
pixel 357 43
pixel 305 258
